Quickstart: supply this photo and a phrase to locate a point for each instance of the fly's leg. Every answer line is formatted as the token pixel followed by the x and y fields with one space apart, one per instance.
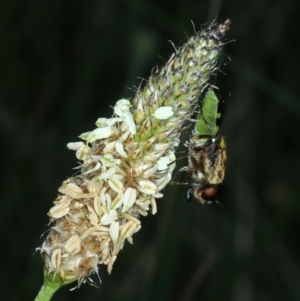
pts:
pixel 180 171
pixel 178 183
pixel 189 194
pixel 219 203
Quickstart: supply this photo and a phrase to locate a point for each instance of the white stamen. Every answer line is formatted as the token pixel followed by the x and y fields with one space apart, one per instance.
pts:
pixel 107 174
pixel 96 167
pixel 129 198
pixel 73 244
pixel 120 149
pixel 128 119
pixel 147 187
pixel 163 113
pixel 59 210
pixel 115 184
pixel 99 133
pixel 114 231
pixel 74 145
pixel 56 258
pixel 163 162
pixel 108 217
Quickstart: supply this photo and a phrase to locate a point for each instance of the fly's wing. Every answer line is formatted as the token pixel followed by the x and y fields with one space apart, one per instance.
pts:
pixel 206 125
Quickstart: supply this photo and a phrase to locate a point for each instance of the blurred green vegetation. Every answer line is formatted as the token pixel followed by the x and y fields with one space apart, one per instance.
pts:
pixel 63 63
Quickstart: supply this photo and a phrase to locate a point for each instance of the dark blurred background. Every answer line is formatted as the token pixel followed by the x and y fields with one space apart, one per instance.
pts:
pixel 63 63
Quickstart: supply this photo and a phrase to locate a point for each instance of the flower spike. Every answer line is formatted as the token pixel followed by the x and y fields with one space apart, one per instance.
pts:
pixel 126 162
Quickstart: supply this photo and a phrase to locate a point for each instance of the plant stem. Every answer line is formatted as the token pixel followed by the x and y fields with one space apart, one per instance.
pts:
pixel 46 292
pixel 51 284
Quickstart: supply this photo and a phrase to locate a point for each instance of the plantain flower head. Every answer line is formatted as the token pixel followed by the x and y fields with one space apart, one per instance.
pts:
pixel 126 161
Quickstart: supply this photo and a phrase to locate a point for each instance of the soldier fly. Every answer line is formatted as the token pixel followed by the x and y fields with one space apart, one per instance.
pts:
pixel 207 153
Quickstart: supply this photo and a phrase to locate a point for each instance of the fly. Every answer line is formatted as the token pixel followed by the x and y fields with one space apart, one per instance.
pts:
pixel 207 153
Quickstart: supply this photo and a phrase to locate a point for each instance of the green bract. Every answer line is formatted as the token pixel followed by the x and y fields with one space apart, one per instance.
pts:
pixel 207 120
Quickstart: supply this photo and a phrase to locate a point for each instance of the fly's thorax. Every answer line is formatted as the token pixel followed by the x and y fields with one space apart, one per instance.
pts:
pixel 208 161
pixel 208 168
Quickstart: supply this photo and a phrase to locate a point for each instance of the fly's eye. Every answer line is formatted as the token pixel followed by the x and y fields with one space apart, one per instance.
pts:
pixel 210 192
pixel 207 195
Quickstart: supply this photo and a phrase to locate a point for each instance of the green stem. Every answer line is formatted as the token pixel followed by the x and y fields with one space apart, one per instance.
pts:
pixel 52 282
pixel 46 292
